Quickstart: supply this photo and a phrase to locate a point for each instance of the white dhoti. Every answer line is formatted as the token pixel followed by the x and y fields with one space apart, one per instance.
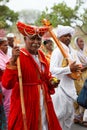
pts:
pixel 64 109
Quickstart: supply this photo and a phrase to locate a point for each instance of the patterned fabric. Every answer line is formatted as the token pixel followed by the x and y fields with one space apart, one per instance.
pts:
pixel 3 60
pixel 26 29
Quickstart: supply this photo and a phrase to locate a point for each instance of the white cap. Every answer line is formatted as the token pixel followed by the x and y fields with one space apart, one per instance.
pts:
pixel 10 35
pixel 3 39
pixel 63 30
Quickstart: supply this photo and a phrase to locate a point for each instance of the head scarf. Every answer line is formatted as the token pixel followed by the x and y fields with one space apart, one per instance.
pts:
pixel 30 30
pixel 64 30
pixel 10 35
pixel 75 42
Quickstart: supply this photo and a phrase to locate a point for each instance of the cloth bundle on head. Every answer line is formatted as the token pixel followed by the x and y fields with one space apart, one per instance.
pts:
pixel 28 30
pixel 63 30
pixel 10 35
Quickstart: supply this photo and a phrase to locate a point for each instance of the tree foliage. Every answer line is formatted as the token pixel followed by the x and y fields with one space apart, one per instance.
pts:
pixel 64 15
pixel 7 16
pixel 60 14
pixel 4 1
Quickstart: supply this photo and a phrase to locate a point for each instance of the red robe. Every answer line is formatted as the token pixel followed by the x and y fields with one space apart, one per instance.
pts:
pixel 33 78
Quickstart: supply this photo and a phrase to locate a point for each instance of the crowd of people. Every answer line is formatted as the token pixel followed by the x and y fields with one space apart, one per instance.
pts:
pixel 37 88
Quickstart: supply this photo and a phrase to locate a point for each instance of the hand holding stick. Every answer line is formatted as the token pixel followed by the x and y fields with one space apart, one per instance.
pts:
pixel 15 60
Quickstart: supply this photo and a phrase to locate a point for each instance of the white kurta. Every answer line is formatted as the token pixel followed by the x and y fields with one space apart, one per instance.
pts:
pixel 43 112
pixel 9 53
pixel 63 104
pixel 82 57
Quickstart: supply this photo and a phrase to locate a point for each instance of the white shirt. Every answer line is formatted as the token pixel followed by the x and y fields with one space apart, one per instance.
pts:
pixel 82 57
pixel 61 72
pixel 42 107
pixel 9 53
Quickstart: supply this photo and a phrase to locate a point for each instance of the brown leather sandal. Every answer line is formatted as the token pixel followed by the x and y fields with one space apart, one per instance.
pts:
pixel 79 122
pixel 84 123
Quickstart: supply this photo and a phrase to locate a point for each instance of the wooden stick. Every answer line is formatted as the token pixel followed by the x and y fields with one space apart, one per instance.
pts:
pixel 21 94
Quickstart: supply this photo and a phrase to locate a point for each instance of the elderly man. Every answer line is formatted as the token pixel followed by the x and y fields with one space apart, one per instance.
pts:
pixel 65 94
pixel 37 113
pixel 80 114
pixel 80 46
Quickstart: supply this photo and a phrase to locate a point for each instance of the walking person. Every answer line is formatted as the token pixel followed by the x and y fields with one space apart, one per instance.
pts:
pixel 65 94
pixel 3 60
pixel 80 112
pixel 37 83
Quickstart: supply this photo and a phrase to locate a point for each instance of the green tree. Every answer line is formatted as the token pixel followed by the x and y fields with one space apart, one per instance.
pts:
pixel 60 14
pixel 7 16
pixel 83 19
pixel 64 15
pixel 4 1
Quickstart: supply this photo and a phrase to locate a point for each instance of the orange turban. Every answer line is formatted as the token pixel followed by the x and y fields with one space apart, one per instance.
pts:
pixel 27 30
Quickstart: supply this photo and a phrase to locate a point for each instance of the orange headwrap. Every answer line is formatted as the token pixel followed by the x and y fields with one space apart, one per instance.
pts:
pixel 27 30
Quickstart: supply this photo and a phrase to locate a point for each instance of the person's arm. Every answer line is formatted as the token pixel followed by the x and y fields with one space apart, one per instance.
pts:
pixel 56 65
pixel 10 75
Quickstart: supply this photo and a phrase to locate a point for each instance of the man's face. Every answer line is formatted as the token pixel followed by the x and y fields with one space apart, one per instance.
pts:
pixel 49 46
pixel 11 41
pixel 66 39
pixel 4 46
pixel 80 43
pixel 33 43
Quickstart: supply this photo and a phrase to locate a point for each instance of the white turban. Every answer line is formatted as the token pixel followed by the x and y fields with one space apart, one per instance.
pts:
pixel 75 42
pixel 64 30
pixel 10 35
pixel 3 39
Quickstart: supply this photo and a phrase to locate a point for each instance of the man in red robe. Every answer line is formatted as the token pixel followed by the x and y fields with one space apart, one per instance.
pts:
pixel 37 84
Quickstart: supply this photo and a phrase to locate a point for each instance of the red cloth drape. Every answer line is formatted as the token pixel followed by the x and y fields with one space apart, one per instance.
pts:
pixel 33 79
